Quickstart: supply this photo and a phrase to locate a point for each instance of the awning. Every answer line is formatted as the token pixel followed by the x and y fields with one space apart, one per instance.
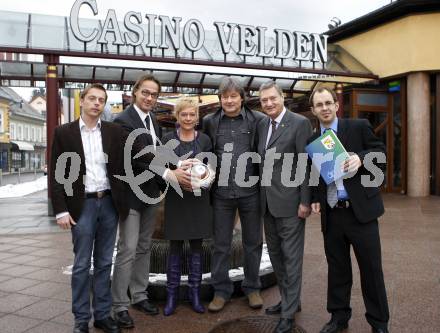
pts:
pixel 21 145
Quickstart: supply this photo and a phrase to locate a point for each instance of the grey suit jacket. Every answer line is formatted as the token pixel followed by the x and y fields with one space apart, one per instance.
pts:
pixel 279 192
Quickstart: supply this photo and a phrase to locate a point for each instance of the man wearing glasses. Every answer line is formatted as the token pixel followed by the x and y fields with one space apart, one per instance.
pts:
pixel 349 213
pixel 132 263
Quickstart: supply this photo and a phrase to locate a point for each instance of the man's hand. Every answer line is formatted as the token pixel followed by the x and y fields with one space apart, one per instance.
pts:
pixel 351 164
pixel 316 208
pixel 66 222
pixel 303 211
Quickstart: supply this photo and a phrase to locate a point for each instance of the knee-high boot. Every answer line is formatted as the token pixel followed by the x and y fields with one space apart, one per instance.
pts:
pixel 173 283
pixel 194 282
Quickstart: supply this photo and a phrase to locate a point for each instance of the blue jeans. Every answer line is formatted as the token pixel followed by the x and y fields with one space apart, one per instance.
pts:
pixel 94 232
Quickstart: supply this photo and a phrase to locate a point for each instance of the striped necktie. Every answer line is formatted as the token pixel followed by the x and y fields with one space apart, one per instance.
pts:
pixel 332 191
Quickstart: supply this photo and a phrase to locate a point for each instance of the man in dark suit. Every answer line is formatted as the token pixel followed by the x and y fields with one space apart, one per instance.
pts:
pixel 285 199
pixel 87 198
pixel 232 132
pixel 132 265
pixel 349 212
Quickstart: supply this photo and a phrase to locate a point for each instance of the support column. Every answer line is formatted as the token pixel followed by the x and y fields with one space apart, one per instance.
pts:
pixel 52 113
pixel 437 134
pixel 419 154
pixel 338 91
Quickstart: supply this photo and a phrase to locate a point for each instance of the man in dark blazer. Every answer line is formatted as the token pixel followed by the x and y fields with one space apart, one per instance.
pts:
pixel 285 198
pixel 232 132
pixel 349 211
pixel 132 265
pixel 87 198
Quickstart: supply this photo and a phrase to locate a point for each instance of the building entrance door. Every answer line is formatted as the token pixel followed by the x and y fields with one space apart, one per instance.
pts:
pixel 384 111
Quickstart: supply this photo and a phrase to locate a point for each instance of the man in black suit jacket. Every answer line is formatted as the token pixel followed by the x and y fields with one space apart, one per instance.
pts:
pixel 349 212
pixel 87 198
pixel 132 265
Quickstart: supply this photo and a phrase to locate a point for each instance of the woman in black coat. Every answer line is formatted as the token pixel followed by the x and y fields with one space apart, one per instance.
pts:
pixel 188 217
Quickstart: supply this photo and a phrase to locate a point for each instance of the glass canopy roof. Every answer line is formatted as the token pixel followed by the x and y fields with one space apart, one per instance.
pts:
pixel 31 36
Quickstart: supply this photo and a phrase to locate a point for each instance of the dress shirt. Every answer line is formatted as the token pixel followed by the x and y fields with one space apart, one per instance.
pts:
pixel 342 193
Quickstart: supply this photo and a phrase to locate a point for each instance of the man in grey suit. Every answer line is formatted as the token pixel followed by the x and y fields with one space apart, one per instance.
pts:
pixel 285 196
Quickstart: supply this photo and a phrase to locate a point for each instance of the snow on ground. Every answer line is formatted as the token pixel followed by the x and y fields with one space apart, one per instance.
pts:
pixel 19 190
pixel 160 277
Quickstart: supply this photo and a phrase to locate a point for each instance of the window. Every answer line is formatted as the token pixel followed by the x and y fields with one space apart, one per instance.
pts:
pixel 26 133
pixel 33 134
pixel 20 132
pixel 12 132
pixel 1 122
pixel 39 139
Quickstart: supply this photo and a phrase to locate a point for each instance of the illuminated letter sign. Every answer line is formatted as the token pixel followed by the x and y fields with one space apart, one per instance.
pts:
pixel 137 30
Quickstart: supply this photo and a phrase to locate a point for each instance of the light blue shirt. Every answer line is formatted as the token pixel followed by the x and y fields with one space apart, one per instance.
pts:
pixel 342 193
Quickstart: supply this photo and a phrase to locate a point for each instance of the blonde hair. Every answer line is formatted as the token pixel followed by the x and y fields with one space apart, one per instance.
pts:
pixel 183 104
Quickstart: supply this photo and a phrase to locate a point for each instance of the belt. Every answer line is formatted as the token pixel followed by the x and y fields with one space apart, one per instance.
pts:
pixel 342 204
pixel 97 195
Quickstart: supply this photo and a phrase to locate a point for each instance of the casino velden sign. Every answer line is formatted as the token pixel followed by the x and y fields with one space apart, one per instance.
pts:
pixel 140 29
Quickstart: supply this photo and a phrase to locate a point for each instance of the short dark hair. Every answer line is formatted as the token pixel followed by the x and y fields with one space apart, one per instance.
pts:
pixel 231 84
pixel 98 86
pixel 271 84
pixel 142 79
pixel 320 90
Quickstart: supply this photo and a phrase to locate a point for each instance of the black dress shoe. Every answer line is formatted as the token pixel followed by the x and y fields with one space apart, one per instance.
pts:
pixel 146 307
pixel 276 309
pixel 284 326
pixel 379 330
pixel 334 326
pixel 123 319
pixel 81 328
pixel 108 325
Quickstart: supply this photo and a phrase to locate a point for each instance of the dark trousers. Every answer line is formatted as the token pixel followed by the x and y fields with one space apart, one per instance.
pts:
pixel 285 243
pixel 343 230
pixel 94 232
pixel 252 238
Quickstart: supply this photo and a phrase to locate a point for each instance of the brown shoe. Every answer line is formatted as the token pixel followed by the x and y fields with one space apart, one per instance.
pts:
pixel 255 300
pixel 217 304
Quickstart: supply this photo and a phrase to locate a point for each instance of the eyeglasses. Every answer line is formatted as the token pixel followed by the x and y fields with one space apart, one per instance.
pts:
pixel 321 105
pixel 147 93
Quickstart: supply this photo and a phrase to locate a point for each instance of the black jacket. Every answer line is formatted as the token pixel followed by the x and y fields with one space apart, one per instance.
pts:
pixel 129 120
pixel 68 139
pixel 357 136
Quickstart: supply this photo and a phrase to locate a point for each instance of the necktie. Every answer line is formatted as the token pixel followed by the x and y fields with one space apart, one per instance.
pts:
pixel 332 191
pixel 147 122
pixel 274 128
pixel 332 194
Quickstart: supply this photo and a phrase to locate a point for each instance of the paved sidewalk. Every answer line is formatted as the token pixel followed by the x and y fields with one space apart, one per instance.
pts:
pixel 35 294
pixel 25 215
